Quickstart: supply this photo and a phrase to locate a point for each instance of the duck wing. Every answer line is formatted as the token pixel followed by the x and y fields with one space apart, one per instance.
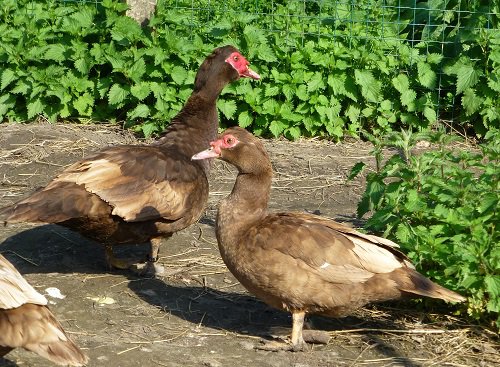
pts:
pixel 136 183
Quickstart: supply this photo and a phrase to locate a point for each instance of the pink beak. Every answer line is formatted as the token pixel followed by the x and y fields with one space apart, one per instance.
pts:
pixel 249 73
pixel 207 153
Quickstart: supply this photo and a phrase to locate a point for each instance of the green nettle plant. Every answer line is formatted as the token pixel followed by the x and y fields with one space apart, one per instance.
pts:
pixel 329 68
pixel 442 207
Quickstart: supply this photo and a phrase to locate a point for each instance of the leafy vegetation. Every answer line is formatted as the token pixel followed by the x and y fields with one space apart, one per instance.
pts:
pixel 442 207
pixel 329 67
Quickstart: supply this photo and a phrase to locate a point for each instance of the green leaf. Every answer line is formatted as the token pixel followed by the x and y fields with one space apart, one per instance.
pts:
pixel 35 107
pixel 430 114
pixel 471 101
pixel 141 111
pixel 245 119
pixel 148 129
pixel 356 170
pixel 55 52
pixel 140 90
pixel 7 101
pixel 401 83
pixel 117 94
pixel 370 87
pixel 426 76
pixel 179 74
pixel 277 127
pixel 137 70
pixel 467 76
pixel 492 285
pixel 228 108
pixel 301 93
pixel 7 77
pixel 315 83
pixel 83 104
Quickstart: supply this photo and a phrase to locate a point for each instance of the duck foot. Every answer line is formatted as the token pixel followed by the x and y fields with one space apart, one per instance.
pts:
pixel 276 346
pixel 148 268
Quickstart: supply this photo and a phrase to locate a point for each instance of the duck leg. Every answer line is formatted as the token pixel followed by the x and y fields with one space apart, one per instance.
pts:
pixel 297 344
pixel 114 262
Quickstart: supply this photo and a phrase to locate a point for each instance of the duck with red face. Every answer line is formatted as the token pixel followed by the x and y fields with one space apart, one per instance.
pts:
pixel 299 262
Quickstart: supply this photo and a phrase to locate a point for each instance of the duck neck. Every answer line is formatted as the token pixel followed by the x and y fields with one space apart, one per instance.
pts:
pixel 246 205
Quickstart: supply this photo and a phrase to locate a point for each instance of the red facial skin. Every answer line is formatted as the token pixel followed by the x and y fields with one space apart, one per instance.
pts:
pixel 240 64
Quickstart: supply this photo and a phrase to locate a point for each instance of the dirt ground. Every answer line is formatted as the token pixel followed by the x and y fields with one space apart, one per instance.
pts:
pixel 198 315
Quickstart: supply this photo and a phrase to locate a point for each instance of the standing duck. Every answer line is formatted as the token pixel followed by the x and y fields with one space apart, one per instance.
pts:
pixel 26 322
pixel 299 262
pixel 140 193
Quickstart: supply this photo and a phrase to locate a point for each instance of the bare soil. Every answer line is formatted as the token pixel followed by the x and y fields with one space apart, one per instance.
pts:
pixel 198 314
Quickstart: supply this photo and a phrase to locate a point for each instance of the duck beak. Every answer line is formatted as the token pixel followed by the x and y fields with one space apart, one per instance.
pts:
pixel 207 153
pixel 249 73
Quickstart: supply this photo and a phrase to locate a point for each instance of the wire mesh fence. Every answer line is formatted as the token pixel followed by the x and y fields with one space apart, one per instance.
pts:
pixel 437 27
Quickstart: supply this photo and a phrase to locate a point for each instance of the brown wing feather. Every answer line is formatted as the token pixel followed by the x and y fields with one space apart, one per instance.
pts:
pixel 139 182
pixel 334 252
pixel 34 327
pixel 136 183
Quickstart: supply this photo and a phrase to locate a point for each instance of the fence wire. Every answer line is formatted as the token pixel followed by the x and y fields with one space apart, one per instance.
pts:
pixel 442 27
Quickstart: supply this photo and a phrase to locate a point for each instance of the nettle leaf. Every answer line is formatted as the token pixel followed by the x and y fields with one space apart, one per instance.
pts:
pixel 471 101
pixel 35 107
pixel 492 285
pixel 353 113
pixel 301 93
pixel 8 76
pixel 21 87
pixel 316 82
pixel 467 76
pixel 430 114
pixel 55 52
pixel 356 170
pixel 141 111
pixel 277 127
pixel 140 90
pixel 83 104
pixel 293 133
pixel 426 76
pixel 434 58
pixel 117 94
pixel 370 87
pixel 401 83
pixel 228 108
pixel 83 65
pixel 271 90
pixel 245 119
pixel 265 53
pixel 148 129
pixel 408 98
pixel 288 90
pixel 179 74
pixel 137 70
pixel 7 101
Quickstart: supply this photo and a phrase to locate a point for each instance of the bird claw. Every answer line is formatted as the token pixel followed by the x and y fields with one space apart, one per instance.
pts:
pixel 277 346
pixel 147 268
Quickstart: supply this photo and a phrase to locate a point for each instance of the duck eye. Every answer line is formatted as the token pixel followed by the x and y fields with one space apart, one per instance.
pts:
pixel 236 58
pixel 229 140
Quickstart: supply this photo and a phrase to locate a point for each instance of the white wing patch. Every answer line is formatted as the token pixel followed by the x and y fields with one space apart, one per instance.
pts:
pixel 325 265
pixel 15 291
pixel 374 258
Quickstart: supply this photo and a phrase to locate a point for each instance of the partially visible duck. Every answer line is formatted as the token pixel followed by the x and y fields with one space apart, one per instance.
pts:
pixel 135 194
pixel 26 322
pixel 298 262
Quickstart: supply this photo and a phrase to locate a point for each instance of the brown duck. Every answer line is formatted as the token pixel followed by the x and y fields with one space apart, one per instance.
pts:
pixel 26 322
pixel 133 193
pixel 299 262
